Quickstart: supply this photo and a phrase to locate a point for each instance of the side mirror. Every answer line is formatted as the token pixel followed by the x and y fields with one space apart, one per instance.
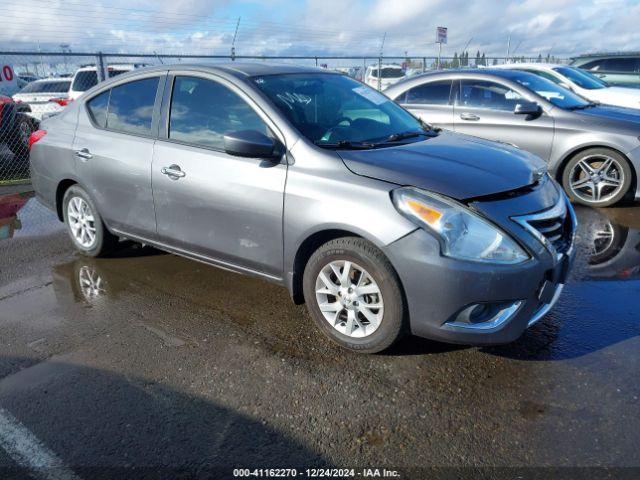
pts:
pixel 250 143
pixel 527 108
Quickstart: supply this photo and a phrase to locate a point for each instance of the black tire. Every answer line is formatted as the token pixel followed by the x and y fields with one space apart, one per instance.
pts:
pixel 620 160
pixel 368 256
pixel 105 242
pixel 19 140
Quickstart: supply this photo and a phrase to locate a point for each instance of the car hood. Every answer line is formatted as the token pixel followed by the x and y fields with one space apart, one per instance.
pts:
pixel 454 165
pixel 607 114
pixel 621 96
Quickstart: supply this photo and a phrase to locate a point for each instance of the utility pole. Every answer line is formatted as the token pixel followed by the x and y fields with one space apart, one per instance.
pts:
pixel 233 42
pixel 508 48
pixel 384 37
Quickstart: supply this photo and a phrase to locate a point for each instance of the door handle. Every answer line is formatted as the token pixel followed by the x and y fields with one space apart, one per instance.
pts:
pixel 469 116
pixel 173 171
pixel 84 153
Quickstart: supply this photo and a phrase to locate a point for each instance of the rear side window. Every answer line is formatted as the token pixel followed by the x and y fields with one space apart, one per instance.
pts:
pixel 84 80
pixel 47 87
pixel 131 106
pixel 97 107
pixel 434 93
pixel 203 111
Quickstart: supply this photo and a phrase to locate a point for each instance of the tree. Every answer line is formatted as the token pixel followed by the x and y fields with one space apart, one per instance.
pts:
pixel 483 59
pixel 456 61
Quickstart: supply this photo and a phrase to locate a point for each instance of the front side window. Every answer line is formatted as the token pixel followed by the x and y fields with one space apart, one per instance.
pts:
pixel 328 108
pixel 580 78
pixel 434 93
pixel 594 65
pixel 84 80
pixel 485 94
pixel 203 111
pixel 131 106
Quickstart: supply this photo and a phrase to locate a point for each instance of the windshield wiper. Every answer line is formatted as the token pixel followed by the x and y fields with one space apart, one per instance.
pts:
pixel 346 145
pixel 585 106
pixel 411 134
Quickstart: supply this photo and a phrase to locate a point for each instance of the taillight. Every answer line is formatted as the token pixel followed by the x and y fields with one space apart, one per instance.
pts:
pixel 63 102
pixel 36 137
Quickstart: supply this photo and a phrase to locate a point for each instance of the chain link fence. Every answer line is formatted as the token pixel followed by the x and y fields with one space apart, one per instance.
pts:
pixel 35 85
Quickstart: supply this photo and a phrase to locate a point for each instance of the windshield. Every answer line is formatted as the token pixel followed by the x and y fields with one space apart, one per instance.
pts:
pixel 583 80
pixel 331 109
pixel 557 95
pixel 388 72
pixel 47 87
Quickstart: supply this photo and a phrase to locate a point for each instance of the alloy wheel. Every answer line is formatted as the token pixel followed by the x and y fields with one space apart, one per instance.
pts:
pixel 349 298
pixel 81 222
pixel 596 178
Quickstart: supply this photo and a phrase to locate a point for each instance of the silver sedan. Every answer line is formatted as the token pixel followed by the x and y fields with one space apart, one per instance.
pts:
pixel 592 150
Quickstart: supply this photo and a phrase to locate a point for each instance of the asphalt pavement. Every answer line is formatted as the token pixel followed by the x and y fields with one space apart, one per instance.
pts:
pixel 148 365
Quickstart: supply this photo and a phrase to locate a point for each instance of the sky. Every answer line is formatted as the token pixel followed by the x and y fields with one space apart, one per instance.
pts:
pixel 562 28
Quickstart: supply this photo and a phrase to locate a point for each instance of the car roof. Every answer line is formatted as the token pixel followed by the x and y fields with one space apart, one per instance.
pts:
pixel 52 79
pixel 607 54
pixel 238 69
pixel 516 66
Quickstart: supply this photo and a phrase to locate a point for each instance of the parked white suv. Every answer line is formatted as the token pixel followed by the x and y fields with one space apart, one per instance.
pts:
pixel 390 74
pixel 581 82
pixel 87 77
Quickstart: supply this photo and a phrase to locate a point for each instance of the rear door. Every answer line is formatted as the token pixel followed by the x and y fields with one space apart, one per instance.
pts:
pixel 431 102
pixel 113 147
pixel 225 208
pixel 485 109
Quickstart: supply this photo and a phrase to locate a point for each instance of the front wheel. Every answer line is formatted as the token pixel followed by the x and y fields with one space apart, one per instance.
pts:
pixel 597 177
pixel 354 295
pixel 85 227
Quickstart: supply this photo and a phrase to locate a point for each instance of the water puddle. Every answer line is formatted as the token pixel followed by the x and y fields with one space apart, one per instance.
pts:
pixel 22 215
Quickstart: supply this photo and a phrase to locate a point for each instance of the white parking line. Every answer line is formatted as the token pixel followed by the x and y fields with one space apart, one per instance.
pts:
pixel 28 452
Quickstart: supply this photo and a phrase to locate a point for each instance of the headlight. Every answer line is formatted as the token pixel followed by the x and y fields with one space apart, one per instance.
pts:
pixel 462 233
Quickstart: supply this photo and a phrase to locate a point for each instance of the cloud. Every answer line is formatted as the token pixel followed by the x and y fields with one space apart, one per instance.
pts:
pixel 317 27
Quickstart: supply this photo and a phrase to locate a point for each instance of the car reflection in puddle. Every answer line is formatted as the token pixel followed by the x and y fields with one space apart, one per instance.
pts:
pixel 21 215
pixel 611 246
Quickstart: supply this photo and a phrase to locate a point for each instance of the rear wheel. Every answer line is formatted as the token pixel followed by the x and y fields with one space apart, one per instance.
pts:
pixel 84 224
pixel 354 295
pixel 597 177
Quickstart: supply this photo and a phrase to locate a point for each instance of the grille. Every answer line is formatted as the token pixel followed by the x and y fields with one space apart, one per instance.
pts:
pixel 553 227
pixel 556 230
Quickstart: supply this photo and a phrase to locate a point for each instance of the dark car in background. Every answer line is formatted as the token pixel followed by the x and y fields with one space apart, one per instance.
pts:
pixel 16 125
pixel 614 68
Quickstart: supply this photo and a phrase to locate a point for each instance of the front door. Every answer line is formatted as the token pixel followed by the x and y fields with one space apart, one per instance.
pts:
pixel 485 109
pixel 221 207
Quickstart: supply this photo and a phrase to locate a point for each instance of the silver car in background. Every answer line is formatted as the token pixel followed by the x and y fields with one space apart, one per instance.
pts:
pixel 592 150
pixel 312 180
